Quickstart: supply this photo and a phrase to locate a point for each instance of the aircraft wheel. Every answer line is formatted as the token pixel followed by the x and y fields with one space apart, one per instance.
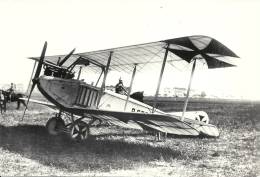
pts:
pixel 79 130
pixel 55 125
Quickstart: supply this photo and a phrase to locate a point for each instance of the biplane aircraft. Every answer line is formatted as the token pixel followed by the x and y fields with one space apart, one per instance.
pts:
pixel 84 104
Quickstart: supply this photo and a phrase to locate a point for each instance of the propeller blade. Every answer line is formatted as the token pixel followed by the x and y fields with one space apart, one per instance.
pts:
pixel 66 57
pixel 37 73
pixel 39 67
pixel 29 96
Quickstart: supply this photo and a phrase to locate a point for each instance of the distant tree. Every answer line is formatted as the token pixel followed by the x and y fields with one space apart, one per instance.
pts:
pixel 203 94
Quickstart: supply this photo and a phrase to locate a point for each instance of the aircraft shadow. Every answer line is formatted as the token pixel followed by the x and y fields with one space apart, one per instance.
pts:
pixel 95 154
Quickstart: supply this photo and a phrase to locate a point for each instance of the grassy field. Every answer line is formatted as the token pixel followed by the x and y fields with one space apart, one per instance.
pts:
pixel 27 149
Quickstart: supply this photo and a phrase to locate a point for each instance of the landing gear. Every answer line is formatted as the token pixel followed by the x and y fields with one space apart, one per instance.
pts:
pixel 79 130
pixel 160 136
pixel 76 129
pixel 55 125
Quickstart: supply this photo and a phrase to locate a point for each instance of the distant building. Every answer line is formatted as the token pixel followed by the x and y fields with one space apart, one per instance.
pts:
pixel 174 92
pixel 181 92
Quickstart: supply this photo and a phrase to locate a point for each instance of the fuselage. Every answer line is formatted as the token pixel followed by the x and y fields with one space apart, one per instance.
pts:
pixel 71 93
pixel 80 98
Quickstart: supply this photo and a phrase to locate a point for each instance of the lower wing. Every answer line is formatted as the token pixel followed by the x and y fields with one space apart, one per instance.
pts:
pixel 143 121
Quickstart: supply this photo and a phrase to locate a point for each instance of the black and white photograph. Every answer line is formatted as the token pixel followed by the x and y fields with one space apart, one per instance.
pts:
pixel 130 88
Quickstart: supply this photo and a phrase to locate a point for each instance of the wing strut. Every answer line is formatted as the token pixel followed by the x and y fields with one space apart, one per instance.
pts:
pixel 160 77
pixel 130 88
pixel 99 77
pixel 105 77
pixel 80 68
pixel 188 91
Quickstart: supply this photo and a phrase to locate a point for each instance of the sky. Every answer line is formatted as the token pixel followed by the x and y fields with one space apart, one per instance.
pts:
pixel 95 24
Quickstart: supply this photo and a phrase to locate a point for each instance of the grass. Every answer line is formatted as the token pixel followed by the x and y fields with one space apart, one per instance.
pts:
pixel 27 149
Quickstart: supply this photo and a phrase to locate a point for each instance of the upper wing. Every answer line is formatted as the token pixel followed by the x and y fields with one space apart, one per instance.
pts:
pixel 150 55
pixel 123 58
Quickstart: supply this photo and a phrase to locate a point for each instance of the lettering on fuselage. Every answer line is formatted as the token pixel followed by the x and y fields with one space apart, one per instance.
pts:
pixel 138 110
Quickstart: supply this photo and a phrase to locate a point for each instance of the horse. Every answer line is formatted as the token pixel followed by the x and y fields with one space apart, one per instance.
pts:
pixel 139 96
pixel 14 97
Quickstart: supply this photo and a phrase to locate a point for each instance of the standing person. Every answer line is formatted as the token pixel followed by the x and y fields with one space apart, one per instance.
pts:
pixel 11 91
pixel 2 102
pixel 120 89
pixel 1 95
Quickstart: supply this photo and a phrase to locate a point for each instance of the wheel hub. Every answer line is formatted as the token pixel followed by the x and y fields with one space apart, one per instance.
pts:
pixel 79 130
